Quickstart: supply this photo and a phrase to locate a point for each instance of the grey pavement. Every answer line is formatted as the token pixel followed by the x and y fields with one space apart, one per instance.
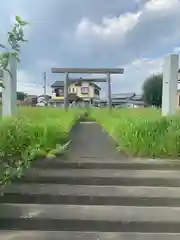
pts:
pixel 40 235
pixel 82 190
pixel 102 173
pixel 91 141
pixel 91 213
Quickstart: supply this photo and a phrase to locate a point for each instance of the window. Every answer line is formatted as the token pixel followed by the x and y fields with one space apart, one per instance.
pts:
pixel 96 91
pixel 71 90
pixel 59 92
pixel 84 90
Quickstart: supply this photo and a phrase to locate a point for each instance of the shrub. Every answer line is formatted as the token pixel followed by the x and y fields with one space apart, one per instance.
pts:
pixel 34 132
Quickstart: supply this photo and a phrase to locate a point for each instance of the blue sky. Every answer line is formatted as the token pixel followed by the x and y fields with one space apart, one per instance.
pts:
pixel 134 34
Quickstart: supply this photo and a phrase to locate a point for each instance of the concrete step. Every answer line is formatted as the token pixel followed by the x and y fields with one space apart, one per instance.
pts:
pixel 89 218
pixel 91 195
pixel 59 235
pixel 103 177
pixel 106 163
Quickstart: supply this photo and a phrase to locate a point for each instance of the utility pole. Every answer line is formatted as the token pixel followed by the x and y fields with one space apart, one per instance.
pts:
pixel 45 89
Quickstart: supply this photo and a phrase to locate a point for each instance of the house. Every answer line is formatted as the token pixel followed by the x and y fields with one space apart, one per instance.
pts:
pixel 103 103
pixel 137 101
pixel 30 100
pixel 80 91
pixel 121 100
pixel 20 103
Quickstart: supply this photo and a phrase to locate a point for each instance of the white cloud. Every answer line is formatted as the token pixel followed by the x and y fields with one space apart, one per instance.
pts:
pixel 110 29
pixel 120 26
pixel 128 26
pixel 134 38
pixel 176 50
pixel 159 5
pixel 135 74
pixel 97 34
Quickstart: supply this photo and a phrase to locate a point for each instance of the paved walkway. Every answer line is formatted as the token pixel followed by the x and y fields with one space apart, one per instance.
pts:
pixel 96 193
pixel 89 140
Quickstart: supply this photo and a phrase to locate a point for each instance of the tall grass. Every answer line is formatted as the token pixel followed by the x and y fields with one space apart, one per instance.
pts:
pixel 142 132
pixel 33 132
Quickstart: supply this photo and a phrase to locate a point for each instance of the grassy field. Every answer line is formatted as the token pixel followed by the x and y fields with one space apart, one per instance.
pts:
pixel 142 132
pixel 39 132
pixel 35 132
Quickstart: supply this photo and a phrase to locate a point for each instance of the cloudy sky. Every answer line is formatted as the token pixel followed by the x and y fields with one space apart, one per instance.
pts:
pixel 133 34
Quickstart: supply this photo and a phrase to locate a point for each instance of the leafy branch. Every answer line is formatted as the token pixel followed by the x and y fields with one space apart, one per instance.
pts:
pixel 15 37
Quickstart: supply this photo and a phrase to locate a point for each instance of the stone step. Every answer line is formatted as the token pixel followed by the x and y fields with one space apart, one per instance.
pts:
pixel 89 218
pixel 91 195
pixel 106 163
pixel 59 235
pixel 103 177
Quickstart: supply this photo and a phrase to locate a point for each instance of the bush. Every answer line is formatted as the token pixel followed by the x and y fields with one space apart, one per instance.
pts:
pixel 34 132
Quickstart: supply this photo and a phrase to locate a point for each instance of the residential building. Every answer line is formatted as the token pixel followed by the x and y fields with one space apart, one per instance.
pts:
pixel 83 92
pixel 122 100
pixel 131 100
pixel 30 100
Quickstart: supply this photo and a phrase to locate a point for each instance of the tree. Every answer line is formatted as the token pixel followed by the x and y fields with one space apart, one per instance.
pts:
pixel 15 37
pixel 152 90
pixel 21 96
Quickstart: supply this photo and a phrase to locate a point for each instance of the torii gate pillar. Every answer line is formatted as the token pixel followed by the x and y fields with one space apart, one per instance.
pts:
pixel 109 91
pixel 170 77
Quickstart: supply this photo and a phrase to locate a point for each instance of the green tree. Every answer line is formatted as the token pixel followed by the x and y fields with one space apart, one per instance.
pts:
pixel 15 37
pixel 152 90
pixel 21 96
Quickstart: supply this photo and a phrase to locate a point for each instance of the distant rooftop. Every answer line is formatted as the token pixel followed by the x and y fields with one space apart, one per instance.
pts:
pixel 58 84
pixel 123 95
pixel 137 97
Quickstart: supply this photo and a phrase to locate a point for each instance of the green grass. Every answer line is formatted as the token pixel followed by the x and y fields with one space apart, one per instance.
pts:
pixel 38 132
pixel 33 133
pixel 142 132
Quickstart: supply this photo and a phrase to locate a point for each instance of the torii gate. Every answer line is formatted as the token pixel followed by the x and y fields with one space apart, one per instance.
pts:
pixel 107 71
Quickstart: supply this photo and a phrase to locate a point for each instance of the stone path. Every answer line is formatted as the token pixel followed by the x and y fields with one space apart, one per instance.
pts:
pixel 93 193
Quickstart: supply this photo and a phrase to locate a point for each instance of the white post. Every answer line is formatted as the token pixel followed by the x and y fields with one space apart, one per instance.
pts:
pixel 13 70
pixel 9 92
pixel 170 76
pixel 7 95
